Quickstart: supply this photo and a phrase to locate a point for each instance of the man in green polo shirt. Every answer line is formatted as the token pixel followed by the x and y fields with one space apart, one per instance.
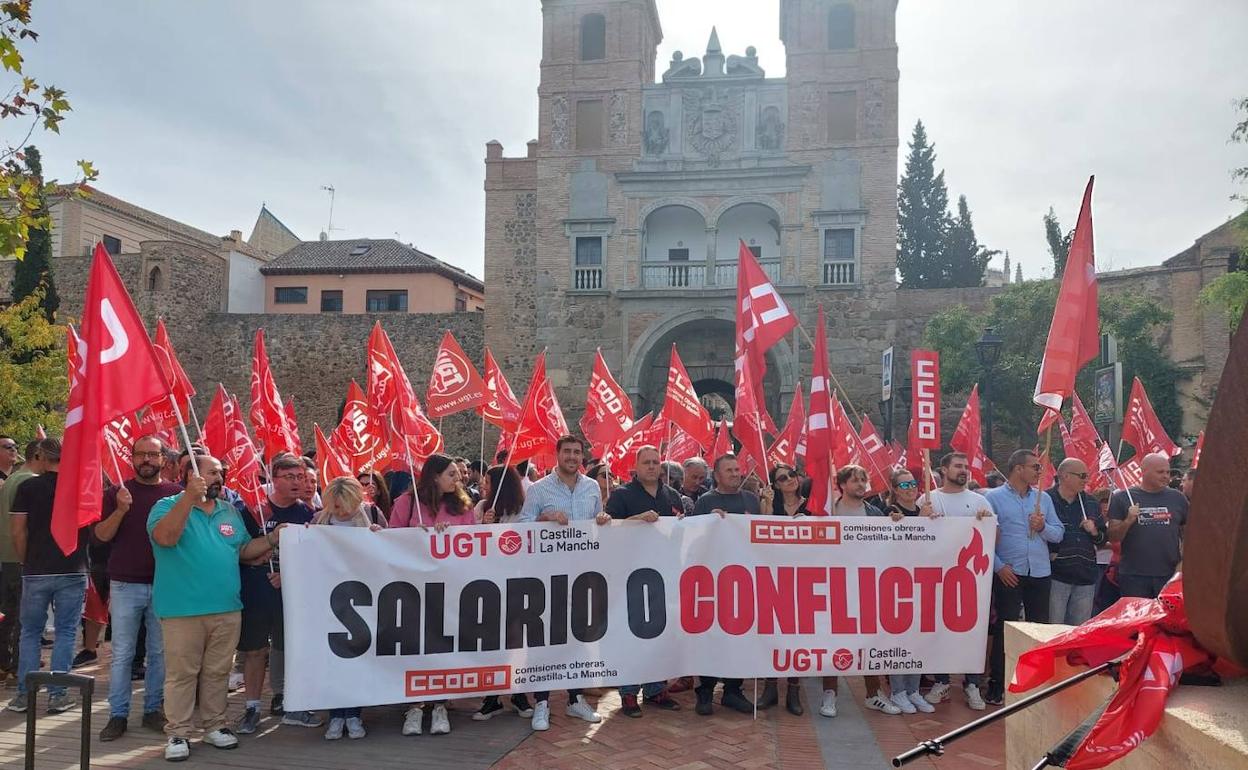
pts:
pixel 198 540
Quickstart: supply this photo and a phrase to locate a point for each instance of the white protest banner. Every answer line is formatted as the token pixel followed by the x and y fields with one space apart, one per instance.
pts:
pixel 407 615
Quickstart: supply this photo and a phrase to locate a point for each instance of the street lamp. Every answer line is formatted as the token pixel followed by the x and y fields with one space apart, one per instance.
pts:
pixel 886 418
pixel 988 351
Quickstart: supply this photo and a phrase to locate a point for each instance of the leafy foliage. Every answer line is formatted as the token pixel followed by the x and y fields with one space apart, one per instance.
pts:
pixel 33 385
pixel 1230 294
pixel 34 272
pixel 922 216
pixel 34 106
pixel 1240 134
pixel 966 259
pixel 1021 315
pixel 1059 242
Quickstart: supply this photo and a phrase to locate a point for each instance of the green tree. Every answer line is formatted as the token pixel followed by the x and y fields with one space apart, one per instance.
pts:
pixel 1059 242
pixel 1229 293
pixel 33 106
pixel 965 258
pixel 1240 135
pixel 922 216
pixel 33 384
pixel 1021 315
pixel 35 270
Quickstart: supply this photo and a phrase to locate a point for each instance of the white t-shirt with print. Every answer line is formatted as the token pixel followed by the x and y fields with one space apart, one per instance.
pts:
pixel 964 503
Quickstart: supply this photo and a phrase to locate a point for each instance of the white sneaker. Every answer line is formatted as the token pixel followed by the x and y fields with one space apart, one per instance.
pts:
pixel 541 715
pixel 439 723
pixel 334 731
pixel 411 721
pixel 879 703
pixel 921 703
pixel 223 738
pixel 581 710
pixel 973 699
pixel 355 728
pixel 828 707
pixel 236 681
pixel 939 693
pixel 902 701
pixel 177 750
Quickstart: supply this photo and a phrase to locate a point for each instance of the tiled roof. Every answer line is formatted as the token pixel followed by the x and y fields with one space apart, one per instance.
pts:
pixel 364 255
pixel 174 228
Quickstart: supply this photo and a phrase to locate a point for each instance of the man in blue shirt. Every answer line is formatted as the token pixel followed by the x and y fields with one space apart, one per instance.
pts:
pixel 1026 524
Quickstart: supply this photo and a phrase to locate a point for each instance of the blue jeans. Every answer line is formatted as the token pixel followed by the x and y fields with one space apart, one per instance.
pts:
pixel 648 690
pixel 904 682
pixel 65 594
pixel 975 679
pixel 345 713
pixel 1070 604
pixel 129 604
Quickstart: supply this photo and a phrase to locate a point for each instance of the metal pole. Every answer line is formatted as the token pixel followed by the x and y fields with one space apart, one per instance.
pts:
pixel 988 413
pixel 937 745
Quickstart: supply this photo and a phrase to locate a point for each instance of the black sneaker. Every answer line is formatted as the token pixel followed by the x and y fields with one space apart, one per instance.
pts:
pixel 703 706
pixel 84 658
pixel 664 701
pixel 995 699
pixel 736 700
pixel 520 702
pixel 45 642
pixel 250 721
pixel 275 707
pixel 115 728
pixel 489 707
pixel 630 707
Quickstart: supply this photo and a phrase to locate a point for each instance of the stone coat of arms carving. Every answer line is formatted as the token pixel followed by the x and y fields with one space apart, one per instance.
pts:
pixel 711 120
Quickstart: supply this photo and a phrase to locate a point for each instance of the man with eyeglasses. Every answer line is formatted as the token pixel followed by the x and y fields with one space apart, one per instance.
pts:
pixel 1074 558
pixel 131 569
pixel 8 456
pixel 1026 524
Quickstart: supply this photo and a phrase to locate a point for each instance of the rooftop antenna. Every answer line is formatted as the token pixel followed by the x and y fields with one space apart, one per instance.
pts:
pixel 330 189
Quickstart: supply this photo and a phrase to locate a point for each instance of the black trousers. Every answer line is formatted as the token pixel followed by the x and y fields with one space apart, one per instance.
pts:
pixel 541 696
pixel 1141 586
pixel 706 685
pixel 10 603
pixel 1028 600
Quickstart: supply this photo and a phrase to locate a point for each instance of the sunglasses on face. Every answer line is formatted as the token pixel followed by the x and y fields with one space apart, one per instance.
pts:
pixel 907 485
pixel 784 477
pixel 1081 476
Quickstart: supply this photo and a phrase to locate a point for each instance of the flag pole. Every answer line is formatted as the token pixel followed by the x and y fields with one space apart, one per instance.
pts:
pixel 515 438
pixel 411 468
pixel 831 374
pixel 667 458
pixel 199 426
pixel 481 455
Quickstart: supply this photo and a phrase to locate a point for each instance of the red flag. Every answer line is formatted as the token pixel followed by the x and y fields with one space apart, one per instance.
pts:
pixel 242 462
pixel 763 319
pixel 968 438
pixel 784 450
pixel 361 434
pixel 542 421
pixel 1131 473
pixel 881 456
pixel 216 437
pixel 119 438
pixel 1141 428
pixel 682 446
pixel 503 408
pixel 330 464
pixel 682 405
pixel 160 417
pixel 115 372
pixel 1200 444
pixel 723 442
pixel 1074 335
pixel 925 400
pixel 292 425
pixel 747 426
pixel 819 463
pixel 621 458
pixel 1048 473
pixel 454 384
pixel 608 409
pixel 403 424
pixel 848 448
pixel 268 413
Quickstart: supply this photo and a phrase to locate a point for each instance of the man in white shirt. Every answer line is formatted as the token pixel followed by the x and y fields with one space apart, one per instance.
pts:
pixel 954 499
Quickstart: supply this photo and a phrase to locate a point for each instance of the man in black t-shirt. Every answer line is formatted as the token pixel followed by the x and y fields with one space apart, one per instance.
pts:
pixel 262 626
pixel 49 578
pixel 1148 520
pixel 645 498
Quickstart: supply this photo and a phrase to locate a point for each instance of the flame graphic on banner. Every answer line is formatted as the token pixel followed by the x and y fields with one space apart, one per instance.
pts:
pixel 973 555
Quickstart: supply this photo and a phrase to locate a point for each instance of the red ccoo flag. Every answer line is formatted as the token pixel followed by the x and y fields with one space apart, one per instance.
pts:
pixel 160 416
pixel 747 426
pixel 763 319
pixel 968 438
pixel 784 450
pixel 723 442
pixel 268 413
pixel 682 447
pixel 682 405
pixel 819 463
pixel 454 385
pixel 1141 428
pixel 330 464
pixel 608 409
pixel 115 373
pixel 621 458
pixel 242 463
pixel 1074 335
pixel 502 410
pixel 925 400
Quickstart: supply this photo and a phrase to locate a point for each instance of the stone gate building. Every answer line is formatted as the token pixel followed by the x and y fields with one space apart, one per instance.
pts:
pixel 619 228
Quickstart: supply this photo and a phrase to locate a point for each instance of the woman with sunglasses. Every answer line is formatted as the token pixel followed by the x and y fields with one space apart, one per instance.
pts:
pixel 786 501
pixel 903 494
pixel 377 496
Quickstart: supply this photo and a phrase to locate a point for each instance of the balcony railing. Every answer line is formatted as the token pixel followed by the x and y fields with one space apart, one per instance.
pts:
pixel 699 275
pixel 587 278
pixel 838 274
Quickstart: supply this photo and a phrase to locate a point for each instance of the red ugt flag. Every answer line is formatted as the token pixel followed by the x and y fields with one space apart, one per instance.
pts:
pixel 117 372
pixel 411 435
pixel 682 405
pixel 243 462
pixel 502 410
pixel 454 384
pixel 1074 336
pixel 608 409
pixel 330 464
pixel 361 434
pixel 268 413
pixel 542 421
pixel 1141 428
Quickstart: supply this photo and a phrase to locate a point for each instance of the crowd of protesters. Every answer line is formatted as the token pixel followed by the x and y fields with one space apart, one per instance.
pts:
pixel 192 581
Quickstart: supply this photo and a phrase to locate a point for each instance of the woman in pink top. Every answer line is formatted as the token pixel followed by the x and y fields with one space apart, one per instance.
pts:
pixel 439 502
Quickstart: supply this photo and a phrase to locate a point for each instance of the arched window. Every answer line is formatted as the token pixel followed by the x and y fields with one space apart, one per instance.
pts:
pixel 156 280
pixel 593 37
pixel 841 33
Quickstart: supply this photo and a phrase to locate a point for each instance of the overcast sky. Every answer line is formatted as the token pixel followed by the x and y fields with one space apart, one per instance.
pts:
pixel 203 110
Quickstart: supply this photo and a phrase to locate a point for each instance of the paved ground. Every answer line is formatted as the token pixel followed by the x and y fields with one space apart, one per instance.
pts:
pixel 857 739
